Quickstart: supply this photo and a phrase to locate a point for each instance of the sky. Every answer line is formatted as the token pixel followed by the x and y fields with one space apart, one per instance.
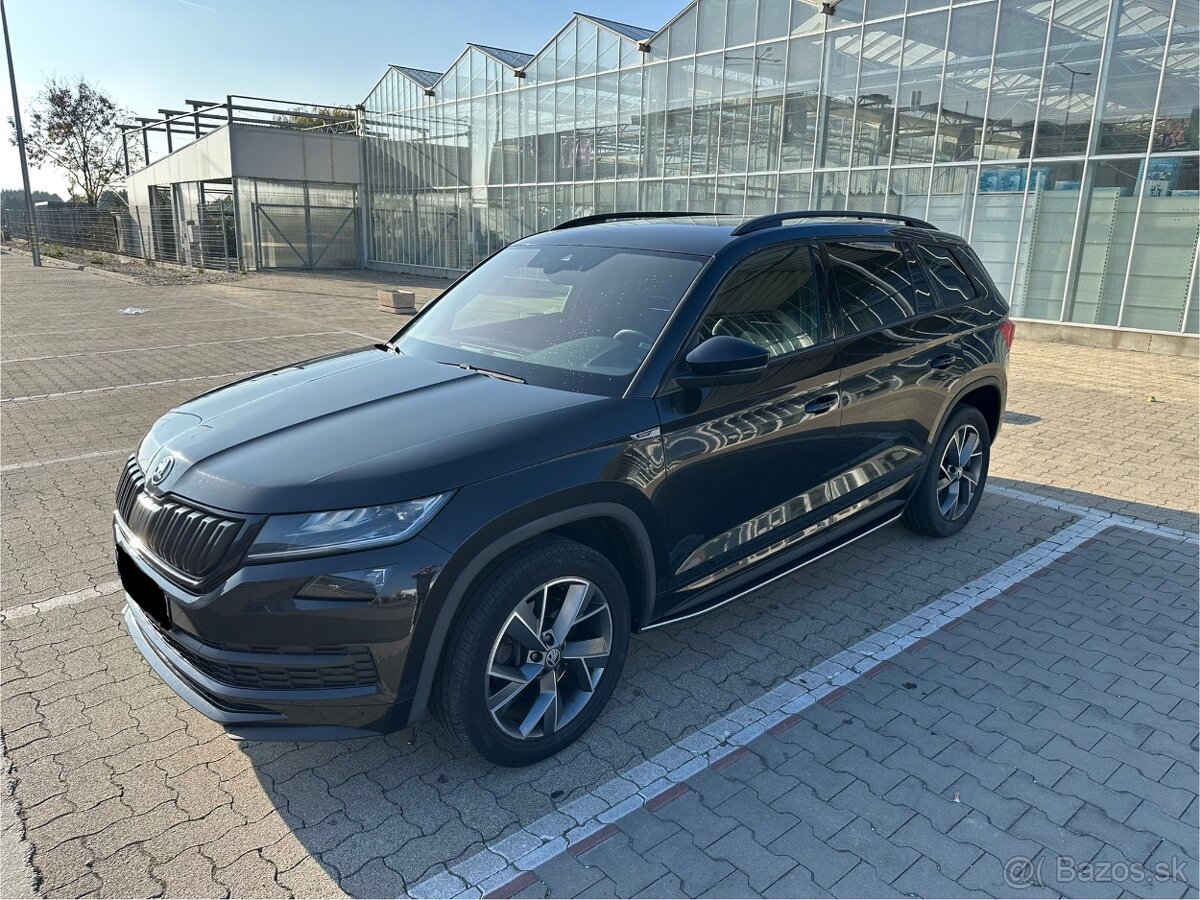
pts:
pixel 149 54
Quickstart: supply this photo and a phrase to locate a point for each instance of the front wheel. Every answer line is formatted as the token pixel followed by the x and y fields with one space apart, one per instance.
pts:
pixel 949 492
pixel 537 655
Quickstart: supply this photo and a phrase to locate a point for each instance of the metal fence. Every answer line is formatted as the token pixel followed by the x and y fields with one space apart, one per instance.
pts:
pixel 200 236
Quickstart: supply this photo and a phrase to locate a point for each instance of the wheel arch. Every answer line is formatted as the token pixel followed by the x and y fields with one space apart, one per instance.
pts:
pixel 986 394
pixel 594 524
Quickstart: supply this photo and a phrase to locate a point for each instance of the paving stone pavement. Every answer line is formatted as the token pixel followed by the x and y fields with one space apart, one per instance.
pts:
pixel 1061 714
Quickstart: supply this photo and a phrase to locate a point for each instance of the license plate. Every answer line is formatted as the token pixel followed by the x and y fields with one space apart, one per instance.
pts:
pixel 143 591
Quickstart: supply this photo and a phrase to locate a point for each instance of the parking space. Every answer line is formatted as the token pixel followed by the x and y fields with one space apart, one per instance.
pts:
pixel 1038 695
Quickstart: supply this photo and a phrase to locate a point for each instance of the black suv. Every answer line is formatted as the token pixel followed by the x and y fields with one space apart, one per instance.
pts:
pixel 614 425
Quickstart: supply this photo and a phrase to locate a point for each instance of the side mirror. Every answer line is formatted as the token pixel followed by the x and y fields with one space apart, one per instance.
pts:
pixel 723 360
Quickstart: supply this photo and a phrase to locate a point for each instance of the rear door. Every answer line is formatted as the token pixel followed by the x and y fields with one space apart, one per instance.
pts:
pixel 899 359
pixel 746 465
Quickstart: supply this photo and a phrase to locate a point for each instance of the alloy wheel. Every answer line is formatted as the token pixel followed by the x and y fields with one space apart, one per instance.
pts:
pixel 548 658
pixel 959 472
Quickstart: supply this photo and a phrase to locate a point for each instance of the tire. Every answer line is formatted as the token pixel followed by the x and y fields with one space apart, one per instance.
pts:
pixel 936 508
pixel 544 581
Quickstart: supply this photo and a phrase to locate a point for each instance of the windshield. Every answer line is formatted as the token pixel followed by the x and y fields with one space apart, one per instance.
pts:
pixel 574 318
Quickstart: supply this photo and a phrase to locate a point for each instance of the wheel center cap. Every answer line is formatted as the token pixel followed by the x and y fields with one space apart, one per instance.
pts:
pixel 553 657
pixel 955 472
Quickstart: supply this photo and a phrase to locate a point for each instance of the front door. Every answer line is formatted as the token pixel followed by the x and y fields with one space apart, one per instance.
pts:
pixel 749 465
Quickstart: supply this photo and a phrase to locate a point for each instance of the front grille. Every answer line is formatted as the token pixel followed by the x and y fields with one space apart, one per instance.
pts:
pixel 359 672
pixel 192 541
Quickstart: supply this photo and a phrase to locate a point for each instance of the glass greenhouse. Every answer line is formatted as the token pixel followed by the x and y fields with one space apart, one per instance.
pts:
pixel 1059 136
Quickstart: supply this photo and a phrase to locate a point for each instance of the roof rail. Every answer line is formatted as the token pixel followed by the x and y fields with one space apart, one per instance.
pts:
pixel 775 219
pixel 617 216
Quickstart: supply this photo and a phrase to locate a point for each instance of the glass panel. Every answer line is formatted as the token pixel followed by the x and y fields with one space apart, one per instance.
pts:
pixel 677 155
pixel 1069 84
pixel 1016 76
pixel 841 77
pixel 1178 118
pixel 711 33
pixel 629 124
pixel 952 197
pixel 738 77
pixel 920 85
pixel 964 89
pixel 879 9
pixel 868 190
pixel 1051 202
pixel 874 286
pixel 909 192
pixel 766 116
pixel 585 60
pixel 739 22
pixel 706 113
pixel 807 19
pixel 793 193
pixel 760 194
pixel 608 54
pixel 800 108
pixel 1135 62
pixel 655 100
pixel 565 52
pixel 702 195
pixel 830 191
pixel 683 34
pixel 1165 251
pixel 1107 239
pixel 770 300
pixel 876 92
pixel 731 195
pixel 773 19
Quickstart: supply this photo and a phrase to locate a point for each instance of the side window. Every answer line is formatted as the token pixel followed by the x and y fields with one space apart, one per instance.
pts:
pixel 770 299
pixel 952 284
pixel 875 286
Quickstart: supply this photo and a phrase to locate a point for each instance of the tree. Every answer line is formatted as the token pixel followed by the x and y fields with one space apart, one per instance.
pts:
pixel 318 118
pixel 73 127
pixel 15 198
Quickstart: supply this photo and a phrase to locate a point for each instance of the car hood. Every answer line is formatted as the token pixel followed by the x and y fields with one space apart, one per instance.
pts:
pixel 360 428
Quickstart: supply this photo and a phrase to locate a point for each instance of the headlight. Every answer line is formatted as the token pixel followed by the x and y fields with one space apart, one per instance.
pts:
pixel 312 534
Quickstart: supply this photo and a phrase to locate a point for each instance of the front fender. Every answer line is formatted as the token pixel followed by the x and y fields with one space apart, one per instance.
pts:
pixel 489 519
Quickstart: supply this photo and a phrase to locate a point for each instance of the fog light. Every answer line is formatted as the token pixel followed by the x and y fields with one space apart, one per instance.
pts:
pixel 363 585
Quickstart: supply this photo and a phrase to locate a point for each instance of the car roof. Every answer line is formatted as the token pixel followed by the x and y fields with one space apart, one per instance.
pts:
pixel 707 235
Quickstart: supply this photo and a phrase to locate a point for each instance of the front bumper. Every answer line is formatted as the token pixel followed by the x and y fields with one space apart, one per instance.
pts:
pixel 267 664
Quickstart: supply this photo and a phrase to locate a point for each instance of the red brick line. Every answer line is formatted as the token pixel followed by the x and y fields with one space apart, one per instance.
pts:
pixel 832 695
pixel 877 669
pixel 728 759
pixel 518 884
pixel 658 801
pixel 593 839
pixel 780 727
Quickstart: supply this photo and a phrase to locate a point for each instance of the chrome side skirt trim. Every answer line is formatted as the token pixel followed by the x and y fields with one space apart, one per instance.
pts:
pixel 776 577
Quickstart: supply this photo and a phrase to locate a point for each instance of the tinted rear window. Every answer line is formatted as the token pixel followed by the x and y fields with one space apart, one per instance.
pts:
pixel 875 286
pixel 952 284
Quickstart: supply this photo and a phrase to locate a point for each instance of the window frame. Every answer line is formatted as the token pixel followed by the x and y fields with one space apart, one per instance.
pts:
pixel 822 284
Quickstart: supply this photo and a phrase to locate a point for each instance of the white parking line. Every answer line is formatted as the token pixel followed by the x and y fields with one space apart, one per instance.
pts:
pixel 278 337
pixel 32 609
pixel 1077 510
pixel 123 387
pixel 498 864
pixel 33 464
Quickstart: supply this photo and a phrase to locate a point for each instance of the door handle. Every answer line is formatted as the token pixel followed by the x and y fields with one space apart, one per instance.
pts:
pixel 945 361
pixel 821 404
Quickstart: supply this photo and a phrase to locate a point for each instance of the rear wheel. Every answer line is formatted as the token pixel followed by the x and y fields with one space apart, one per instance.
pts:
pixel 538 654
pixel 949 492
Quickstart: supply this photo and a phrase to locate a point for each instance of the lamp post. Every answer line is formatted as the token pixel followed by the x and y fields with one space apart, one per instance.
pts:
pixel 12 80
pixel 1070 99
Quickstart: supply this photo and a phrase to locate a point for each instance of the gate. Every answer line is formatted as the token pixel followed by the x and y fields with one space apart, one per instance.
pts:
pixel 301 236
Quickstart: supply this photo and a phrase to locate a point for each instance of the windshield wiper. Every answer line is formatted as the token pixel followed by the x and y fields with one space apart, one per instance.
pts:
pixel 488 372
